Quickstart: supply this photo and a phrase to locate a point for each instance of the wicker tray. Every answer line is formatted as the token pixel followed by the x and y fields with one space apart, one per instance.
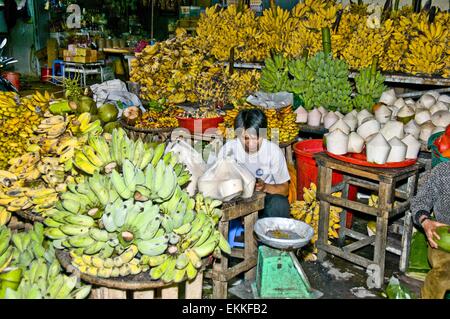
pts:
pixel 30 216
pixel 141 281
pixel 148 131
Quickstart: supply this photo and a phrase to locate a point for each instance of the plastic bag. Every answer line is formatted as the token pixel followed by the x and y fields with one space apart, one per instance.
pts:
pixel 191 158
pixel 396 291
pixel 271 100
pixel 115 91
pixel 227 179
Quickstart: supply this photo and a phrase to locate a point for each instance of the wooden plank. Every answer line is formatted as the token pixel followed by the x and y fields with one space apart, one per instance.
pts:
pixel 170 292
pixel 324 186
pixel 194 288
pixel 108 293
pixel 406 241
pixel 358 244
pixel 237 253
pixel 399 209
pixel 250 248
pixel 374 187
pixel 349 204
pixel 224 276
pixel 385 203
pixel 392 246
pixel 243 209
pixel 220 288
pixel 361 261
pixel 343 215
pixel 146 294
pixel 372 173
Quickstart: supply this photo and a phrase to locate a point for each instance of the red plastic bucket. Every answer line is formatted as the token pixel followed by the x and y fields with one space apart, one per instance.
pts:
pixel 199 125
pixel 46 74
pixel 307 170
pixel 14 78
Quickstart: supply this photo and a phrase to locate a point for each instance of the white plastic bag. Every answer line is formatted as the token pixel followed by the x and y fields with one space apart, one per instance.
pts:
pixel 227 179
pixel 271 100
pixel 191 158
pixel 115 91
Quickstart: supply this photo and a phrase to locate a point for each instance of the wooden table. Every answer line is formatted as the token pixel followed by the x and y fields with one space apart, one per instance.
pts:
pixel 384 182
pixel 221 273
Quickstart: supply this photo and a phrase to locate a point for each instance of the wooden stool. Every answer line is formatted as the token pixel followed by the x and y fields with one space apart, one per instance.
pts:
pixel 221 273
pixel 381 180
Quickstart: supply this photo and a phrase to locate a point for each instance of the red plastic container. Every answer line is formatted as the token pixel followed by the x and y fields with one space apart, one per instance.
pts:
pixel 199 125
pixel 14 78
pixel 46 74
pixel 307 170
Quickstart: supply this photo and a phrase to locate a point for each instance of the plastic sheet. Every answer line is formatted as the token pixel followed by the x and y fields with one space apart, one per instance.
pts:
pixel 271 100
pixel 265 227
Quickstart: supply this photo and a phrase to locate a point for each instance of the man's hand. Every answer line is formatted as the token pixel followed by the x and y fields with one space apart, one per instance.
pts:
pixel 429 226
pixel 260 185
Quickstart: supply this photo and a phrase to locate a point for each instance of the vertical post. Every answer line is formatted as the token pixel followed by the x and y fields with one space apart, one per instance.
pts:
pixel 250 249
pixel 385 205
pixel 343 216
pixel 194 288
pixel 324 187
pixel 220 288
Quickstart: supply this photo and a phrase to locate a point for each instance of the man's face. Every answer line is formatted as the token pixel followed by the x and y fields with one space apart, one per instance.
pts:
pixel 250 141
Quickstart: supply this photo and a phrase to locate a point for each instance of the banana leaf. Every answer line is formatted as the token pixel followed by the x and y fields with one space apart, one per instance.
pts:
pixel 418 256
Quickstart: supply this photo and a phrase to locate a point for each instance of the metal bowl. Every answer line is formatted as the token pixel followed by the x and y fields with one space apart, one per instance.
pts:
pixel 300 231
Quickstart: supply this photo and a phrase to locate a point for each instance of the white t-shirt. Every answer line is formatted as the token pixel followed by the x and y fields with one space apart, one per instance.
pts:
pixel 268 164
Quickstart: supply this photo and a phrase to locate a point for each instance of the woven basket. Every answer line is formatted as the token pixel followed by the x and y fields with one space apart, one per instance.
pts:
pixel 147 135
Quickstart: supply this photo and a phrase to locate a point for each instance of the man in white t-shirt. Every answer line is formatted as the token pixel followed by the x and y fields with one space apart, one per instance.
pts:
pixel 263 158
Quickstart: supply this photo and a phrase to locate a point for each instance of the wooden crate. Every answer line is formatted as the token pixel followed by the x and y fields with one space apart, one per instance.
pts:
pixel 134 286
pixel 184 290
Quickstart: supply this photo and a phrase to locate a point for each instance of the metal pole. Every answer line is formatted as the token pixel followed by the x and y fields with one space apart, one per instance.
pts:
pixel 151 28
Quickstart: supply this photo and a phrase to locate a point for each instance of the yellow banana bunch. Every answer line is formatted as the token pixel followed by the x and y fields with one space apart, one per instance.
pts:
pixel 18 117
pixel 280 123
pixel 307 210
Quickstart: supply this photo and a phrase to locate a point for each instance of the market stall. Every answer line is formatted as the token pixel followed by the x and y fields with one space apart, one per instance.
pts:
pixel 133 188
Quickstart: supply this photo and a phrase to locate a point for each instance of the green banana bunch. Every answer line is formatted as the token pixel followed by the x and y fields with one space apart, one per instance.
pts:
pixel 275 75
pixel 369 88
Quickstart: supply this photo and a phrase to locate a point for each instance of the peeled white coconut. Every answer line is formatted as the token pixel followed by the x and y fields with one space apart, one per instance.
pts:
pixel 399 103
pixel 435 94
pixel 230 188
pixel 412 128
pixel 341 125
pixel 368 128
pixel 388 97
pixel 339 114
pixel 398 150
pixel 394 111
pixel 355 143
pixel 324 112
pixel 314 117
pixel 441 118
pixel 330 119
pixel 302 115
pixel 351 121
pixel 354 113
pixel 392 129
pixel 438 129
pixel 413 146
pixel 425 131
pixel 405 114
pixel 445 99
pixel 438 106
pixel 410 102
pixel 362 116
pixel 378 149
pixel 422 116
pixel 427 100
pixel 383 114
pixel 336 142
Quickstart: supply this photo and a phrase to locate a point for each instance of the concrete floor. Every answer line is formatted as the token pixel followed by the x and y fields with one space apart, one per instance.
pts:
pixel 335 277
